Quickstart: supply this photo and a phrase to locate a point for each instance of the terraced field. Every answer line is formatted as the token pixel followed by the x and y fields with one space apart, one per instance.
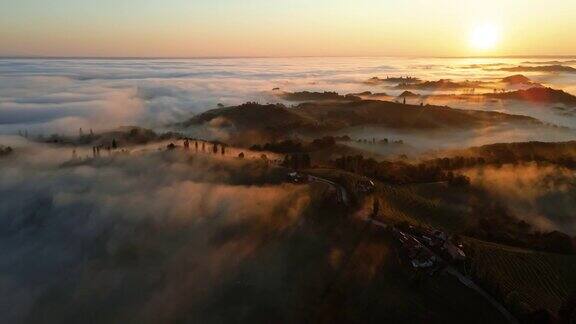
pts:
pixel 529 280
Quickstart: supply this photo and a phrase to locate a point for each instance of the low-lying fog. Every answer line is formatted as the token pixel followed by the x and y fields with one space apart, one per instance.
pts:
pixel 71 234
pixel 154 228
pixel 541 195
pixel 416 143
pixel 62 95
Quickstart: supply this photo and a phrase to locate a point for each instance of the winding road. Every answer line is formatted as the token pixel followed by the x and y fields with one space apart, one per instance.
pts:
pixel 343 195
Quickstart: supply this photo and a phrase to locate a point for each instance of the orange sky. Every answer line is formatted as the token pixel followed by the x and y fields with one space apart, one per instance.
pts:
pixel 184 28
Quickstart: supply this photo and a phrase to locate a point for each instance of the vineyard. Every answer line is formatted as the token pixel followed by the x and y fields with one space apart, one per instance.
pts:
pixel 400 203
pixel 523 279
pixel 405 204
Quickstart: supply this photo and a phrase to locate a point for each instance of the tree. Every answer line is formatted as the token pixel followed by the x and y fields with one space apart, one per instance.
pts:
pixel 375 208
pixel 306 161
pixel 295 161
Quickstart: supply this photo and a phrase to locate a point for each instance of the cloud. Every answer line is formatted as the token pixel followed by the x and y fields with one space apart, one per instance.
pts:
pixel 42 95
pixel 172 226
pixel 541 195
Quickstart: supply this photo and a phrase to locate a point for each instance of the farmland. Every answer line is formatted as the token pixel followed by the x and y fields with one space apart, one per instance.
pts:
pixel 523 279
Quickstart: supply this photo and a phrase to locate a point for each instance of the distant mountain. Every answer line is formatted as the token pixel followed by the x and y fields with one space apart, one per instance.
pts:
pixel 538 94
pixel 551 62
pixel 545 68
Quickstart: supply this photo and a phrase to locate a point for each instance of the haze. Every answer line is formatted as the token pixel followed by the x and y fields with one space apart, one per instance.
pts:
pixel 223 28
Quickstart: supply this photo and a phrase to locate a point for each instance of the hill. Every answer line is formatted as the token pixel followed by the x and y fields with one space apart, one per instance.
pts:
pixel 554 152
pixel 253 116
pixel 408 94
pixel 311 117
pixel 544 68
pixel 526 281
pixel 517 79
pixel 404 80
pixel 123 136
pixel 316 96
pixel 538 94
pixel 442 84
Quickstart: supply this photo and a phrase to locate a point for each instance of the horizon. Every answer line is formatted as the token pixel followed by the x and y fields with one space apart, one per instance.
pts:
pixel 511 56
pixel 297 28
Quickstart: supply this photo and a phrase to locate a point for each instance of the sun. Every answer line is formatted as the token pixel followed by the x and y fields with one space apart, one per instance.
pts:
pixel 484 37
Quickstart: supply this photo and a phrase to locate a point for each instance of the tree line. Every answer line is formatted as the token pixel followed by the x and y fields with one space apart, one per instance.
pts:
pixel 398 172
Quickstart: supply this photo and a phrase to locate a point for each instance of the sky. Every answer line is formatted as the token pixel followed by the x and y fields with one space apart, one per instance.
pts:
pixel 261 28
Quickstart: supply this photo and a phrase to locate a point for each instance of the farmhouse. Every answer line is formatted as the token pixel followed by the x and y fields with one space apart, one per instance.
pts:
pixel 417 255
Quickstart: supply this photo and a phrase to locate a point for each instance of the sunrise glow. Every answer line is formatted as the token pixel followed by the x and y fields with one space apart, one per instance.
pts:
pixel 485 37
pixel 232 28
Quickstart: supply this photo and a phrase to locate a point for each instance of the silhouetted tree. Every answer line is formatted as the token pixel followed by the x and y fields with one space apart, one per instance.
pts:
pixel 375 207
pixel 306 161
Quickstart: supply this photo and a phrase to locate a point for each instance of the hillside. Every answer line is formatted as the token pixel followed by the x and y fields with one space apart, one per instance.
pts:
pixel 123 136
pixel 316 96
pixel 439 85
pixel 563 153
pixel 252 116
pixel 539 95
pixel 526 281
pixel 544 68
pixel 331 116
pixel 402 116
